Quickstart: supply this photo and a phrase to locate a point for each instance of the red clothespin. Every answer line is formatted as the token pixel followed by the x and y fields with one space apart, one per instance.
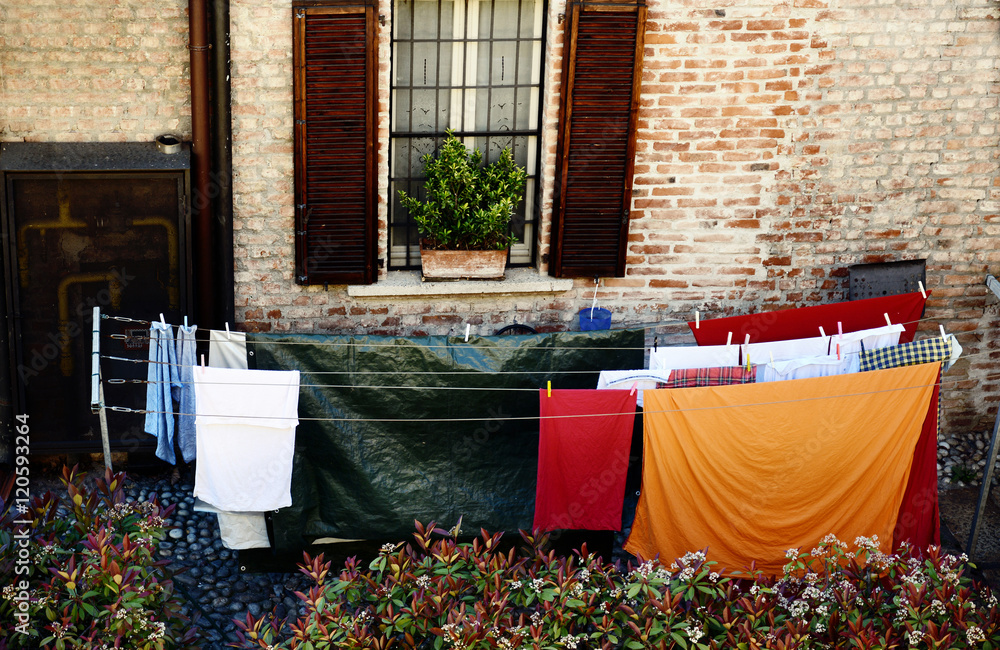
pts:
pixel 838 352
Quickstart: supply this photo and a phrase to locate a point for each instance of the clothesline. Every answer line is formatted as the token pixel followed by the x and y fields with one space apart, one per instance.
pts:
pixel 126 409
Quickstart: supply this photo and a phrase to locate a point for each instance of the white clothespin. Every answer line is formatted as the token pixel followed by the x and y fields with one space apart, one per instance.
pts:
pixel 697 319
pixel 746 341
pixel 922 291
pixel 943 335
pixel 468 326
pixel 203 364
pixel 887 320
pixel 229 336
pixel 772 357
pixel 185 321
pixel 162 320
pixel 821 332
pixel 729 339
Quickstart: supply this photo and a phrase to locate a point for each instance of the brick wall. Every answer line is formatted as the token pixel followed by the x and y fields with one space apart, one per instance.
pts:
pixel 92 70
pixel 779 143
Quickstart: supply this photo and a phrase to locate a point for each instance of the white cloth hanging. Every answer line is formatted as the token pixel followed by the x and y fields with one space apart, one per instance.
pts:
pixel 227 349
pixel 246 437
pixel 824 366
pixel 624 379
pixel 683 357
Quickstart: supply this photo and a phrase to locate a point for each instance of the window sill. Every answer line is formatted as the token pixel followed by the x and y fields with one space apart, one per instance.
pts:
pixel 408 283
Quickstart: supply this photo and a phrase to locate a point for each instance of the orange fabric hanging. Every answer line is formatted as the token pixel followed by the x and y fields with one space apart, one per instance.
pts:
pixel 750 471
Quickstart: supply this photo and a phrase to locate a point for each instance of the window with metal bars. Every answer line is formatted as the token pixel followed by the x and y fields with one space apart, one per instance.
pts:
pixel 475 67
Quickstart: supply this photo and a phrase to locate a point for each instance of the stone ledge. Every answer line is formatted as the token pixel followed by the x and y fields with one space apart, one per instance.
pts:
pixel 408 283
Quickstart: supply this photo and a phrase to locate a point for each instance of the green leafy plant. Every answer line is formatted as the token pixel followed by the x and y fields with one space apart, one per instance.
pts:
pixel 441 594
pixel 467 206
pixel 93 580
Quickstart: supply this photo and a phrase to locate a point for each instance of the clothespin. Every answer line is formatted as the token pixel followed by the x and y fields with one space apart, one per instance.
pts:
pixel 840 330
pixel 697 319
pixel 635 385
pixel 162 321
pixel 887 321
pixel 203 363
pixel 747 354
pixel 468 326
pixel 922 291
pixel 838 352
pixel 229 336
pixel 729 339
pixel 821 332
pixel 550 388
pixel 943 335
pixel 185 321
pixel 772 357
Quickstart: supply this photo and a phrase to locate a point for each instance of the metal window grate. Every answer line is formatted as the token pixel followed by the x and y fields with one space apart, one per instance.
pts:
pixel 886 278
pixel 473 66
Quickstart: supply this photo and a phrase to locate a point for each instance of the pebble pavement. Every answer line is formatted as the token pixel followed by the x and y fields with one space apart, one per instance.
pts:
pixel 208 575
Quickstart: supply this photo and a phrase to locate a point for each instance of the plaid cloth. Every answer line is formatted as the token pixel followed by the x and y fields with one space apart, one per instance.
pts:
pixel 699 377
pixel 907 354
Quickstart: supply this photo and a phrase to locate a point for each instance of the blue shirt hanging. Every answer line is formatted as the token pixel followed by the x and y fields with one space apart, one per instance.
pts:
pixel 163 377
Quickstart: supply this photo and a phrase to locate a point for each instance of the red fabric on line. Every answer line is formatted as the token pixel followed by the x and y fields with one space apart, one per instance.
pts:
pixel 803 322
pixel 583 460
pixel 919 518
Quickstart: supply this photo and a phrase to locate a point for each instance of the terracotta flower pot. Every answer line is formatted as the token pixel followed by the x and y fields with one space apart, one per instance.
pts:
pixel 462 265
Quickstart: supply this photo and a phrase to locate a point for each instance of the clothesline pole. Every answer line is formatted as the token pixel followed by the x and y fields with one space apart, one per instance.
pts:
pixel 991 458
pixel 97 388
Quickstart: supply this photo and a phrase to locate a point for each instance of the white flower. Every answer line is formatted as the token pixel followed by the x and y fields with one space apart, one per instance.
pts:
pixel 915 637
pixel 974 635
pixel 792 553
pixel 695 633
pixel 713 576
pixel 423 582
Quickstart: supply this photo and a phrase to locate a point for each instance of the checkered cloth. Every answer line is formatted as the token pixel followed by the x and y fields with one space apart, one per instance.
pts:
pixel 907 354
pixel 698 377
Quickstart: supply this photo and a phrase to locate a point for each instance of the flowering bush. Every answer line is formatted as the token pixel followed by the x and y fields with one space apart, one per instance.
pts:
pixel 83 573
pixel 438 593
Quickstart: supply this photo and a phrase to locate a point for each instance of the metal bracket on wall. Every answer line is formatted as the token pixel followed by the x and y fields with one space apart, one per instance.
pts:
pixel 991 458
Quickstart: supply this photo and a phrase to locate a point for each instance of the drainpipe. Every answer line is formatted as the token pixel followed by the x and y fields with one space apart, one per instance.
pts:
pixel 222 161
pixel 201 160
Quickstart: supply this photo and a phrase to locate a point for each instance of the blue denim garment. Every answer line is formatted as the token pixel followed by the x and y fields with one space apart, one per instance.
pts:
pixel 184 395
pixel 162 377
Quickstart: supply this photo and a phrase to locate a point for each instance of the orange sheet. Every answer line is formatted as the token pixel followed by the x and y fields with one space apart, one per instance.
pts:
pixel 788 463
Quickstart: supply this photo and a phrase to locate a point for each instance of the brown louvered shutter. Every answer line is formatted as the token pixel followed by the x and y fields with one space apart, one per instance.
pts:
pixel 602 69
pixel 335 135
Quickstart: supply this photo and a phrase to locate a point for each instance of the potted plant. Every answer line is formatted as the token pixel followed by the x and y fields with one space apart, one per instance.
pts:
pixel 464 219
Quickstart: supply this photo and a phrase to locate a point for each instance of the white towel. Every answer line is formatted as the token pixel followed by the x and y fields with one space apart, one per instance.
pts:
pixel 623 380
pixel 824 366
pixel 227 349
pixel 246 437
pixel 685 357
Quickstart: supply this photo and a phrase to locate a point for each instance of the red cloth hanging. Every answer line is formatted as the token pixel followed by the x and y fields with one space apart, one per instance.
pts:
pixel 782 325
pixel 919 518
pixel 583 451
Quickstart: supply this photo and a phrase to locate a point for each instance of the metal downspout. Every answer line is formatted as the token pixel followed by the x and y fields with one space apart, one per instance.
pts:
pixel 222 161
pixel 201 160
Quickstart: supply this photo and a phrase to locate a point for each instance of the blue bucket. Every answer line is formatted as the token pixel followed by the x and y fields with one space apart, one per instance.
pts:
pixel 598 319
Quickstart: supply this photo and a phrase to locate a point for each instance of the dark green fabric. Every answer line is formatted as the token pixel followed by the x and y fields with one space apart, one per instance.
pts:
pixel 365 478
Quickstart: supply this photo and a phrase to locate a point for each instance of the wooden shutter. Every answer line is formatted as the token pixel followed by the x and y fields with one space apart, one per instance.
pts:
pixel 336 230
pixel 602 70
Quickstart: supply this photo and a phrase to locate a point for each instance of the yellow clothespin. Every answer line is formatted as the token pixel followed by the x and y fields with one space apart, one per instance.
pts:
pixel 550 389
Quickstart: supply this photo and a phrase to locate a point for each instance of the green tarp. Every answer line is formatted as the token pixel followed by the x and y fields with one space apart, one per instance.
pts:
pixel 394 429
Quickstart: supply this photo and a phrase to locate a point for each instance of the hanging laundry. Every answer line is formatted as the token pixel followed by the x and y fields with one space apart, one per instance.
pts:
pixel 869 339
pixel 700 377
pixel 815 346
pixel 642 379
pixel 583 451
pixel 679 357
pixel 905 309
pixel 809 367
pixel 184 394
pixel 246 437
pixel 238 530
pixel 919 514
pixel 750 471
pixel 163 378
pixel 227 349
pixel 944 349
